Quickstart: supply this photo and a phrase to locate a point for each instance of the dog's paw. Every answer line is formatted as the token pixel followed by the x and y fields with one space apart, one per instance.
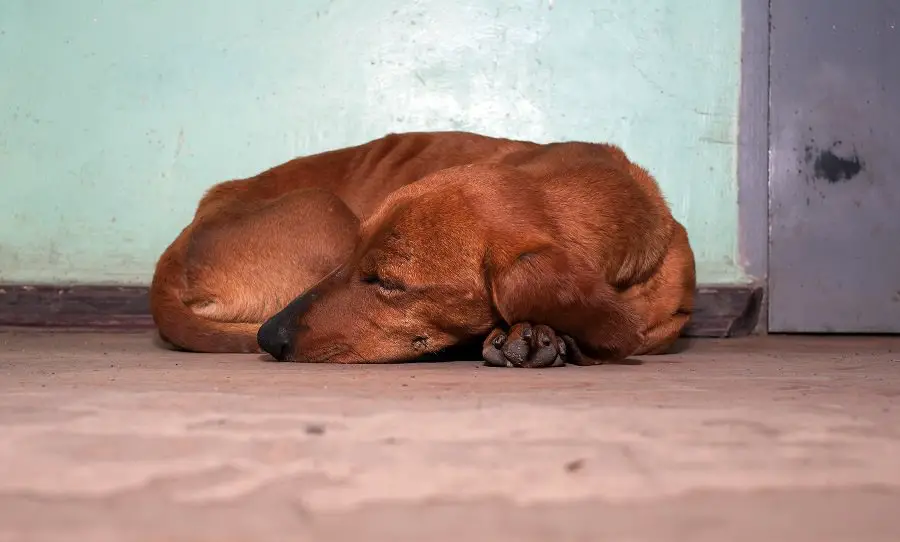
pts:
pixel 526 346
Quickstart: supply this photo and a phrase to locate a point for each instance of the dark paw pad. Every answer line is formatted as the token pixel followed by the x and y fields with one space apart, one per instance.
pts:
pixel 524 346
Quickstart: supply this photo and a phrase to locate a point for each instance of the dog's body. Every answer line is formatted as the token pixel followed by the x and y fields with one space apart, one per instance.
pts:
pixel 476 233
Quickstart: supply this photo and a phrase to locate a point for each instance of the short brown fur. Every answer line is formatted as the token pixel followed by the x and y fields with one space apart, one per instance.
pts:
pixel 247 250
pixel 461 236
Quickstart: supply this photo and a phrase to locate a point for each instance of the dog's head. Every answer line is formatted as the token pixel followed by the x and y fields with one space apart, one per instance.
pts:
pixel 442 261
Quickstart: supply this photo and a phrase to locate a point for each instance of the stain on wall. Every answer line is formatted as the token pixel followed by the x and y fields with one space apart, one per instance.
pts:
pixel 834 164
pixel 116 116
pixel 833 168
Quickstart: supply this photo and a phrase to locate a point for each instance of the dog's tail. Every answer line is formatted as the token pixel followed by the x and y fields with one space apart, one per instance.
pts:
pixel 182 327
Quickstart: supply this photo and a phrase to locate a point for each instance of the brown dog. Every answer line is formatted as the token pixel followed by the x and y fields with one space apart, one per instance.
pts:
pixel 255 244
pixel 569 246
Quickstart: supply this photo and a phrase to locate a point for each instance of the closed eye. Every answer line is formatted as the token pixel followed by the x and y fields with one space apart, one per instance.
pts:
pixel 386 285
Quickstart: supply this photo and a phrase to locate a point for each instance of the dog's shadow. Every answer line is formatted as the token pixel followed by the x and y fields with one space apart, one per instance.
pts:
pixel 471 352
pixel 626 361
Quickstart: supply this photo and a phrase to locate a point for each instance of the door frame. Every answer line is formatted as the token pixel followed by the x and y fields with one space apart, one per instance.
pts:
pixel 753 173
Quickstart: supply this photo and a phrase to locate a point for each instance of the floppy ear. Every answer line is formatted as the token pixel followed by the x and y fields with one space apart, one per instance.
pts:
pixel 546 286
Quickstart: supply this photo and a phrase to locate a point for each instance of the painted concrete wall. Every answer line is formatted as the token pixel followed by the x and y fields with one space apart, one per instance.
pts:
pixel 115 116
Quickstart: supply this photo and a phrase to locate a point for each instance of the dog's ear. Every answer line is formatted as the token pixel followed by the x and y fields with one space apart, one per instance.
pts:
pixel 544 285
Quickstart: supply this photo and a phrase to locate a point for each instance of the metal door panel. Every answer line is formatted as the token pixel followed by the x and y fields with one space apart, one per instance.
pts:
pixel 834 254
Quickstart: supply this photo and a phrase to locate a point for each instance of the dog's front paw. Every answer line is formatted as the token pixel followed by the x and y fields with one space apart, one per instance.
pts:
pixel 526 346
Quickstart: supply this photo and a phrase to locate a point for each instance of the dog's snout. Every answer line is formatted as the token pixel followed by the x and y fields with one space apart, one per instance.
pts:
pixel 278 334
pixel 275 339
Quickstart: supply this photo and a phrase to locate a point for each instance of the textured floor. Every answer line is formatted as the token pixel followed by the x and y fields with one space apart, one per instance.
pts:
pixel 109 438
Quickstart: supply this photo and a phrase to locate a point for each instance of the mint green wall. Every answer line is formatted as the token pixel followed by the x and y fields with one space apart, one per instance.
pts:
pixel 116 115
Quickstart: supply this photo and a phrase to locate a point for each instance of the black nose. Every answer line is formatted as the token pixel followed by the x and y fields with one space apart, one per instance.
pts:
pixel 275 339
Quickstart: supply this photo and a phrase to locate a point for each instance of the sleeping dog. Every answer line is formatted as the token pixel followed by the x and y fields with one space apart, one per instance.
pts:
pixel 403 246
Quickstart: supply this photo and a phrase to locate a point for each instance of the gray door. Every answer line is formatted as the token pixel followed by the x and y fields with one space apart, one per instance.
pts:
pixel 834 187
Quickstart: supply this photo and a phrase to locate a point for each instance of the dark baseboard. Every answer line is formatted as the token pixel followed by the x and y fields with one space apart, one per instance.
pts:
pixel 725 311
pixel 719 310
pixel 75 306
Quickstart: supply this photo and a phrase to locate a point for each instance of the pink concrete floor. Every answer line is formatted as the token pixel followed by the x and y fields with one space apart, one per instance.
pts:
pixel 106 437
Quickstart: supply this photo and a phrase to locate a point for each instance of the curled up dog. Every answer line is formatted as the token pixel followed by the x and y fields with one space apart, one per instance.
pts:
pixel 553 254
